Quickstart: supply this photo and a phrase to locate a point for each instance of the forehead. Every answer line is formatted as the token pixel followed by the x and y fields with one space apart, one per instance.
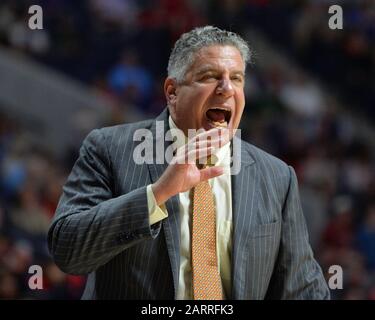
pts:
pixel 217 57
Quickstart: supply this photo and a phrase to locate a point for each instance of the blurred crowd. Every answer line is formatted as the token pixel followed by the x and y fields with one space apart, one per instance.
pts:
pixel 121 48
pixel 30 186
pixel 343 59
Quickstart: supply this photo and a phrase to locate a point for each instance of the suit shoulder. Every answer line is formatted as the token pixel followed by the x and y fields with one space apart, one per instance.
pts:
pixel 116 138
pixel 125 128
pixel 268 162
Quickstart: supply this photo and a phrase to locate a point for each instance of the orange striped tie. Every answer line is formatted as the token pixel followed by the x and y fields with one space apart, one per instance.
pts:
pixel 206 279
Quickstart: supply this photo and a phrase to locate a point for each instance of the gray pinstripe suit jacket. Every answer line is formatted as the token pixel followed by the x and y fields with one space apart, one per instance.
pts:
pixel 101 226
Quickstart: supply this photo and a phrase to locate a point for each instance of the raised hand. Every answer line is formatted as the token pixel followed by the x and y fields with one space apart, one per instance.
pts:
pixel 182 174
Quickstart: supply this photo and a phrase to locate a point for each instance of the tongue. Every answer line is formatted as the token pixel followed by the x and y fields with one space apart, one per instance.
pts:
pixel 216 115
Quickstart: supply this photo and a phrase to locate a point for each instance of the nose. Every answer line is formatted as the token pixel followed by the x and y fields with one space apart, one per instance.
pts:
pixel 225 88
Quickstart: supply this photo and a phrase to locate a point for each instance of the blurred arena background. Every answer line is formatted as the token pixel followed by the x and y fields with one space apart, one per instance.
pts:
pixel 310 101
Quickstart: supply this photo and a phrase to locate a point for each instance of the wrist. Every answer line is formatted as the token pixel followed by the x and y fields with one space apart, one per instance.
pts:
pixel 160 194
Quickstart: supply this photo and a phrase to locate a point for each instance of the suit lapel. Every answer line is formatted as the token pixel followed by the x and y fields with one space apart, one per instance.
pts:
pixel 171 225
pixel 244 185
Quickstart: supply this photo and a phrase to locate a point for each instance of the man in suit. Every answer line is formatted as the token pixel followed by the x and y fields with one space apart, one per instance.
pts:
pixel 179 230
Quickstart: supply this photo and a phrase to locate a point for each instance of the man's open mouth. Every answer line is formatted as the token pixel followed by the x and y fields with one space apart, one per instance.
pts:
pixel 219 117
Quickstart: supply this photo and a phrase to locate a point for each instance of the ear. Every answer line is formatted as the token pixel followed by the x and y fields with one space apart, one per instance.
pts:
pixel 170 91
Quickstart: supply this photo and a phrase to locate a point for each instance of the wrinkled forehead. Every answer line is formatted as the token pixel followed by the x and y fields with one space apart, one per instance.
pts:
pixel 217 58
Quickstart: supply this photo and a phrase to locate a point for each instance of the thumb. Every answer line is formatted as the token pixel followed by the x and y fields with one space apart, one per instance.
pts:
pixel 212 172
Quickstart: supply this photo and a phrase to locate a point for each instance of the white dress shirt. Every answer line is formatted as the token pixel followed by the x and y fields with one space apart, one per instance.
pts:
pixel 221 187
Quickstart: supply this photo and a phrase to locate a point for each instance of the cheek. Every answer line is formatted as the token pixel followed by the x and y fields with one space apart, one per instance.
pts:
pixel 192 101
pixel 196 102
pixel 240 102
pixel 240 96
pixel 199 98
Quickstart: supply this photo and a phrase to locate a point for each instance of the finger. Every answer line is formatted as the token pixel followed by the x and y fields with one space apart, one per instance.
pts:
pixel 191 156
pixel 218 139
pixel 212 172
pixel 222 135
pixel 188 148
pixel 201 153
pixel 213 133
pixel 205 144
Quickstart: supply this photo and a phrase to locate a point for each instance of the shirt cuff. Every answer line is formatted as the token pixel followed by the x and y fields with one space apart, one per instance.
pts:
pixel 156 213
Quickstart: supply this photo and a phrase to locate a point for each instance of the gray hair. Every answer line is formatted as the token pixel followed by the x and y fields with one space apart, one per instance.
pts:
pixel 189 43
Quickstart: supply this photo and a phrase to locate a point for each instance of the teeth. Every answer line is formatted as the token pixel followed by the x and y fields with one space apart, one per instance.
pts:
pixel 223 124
pixel 219 108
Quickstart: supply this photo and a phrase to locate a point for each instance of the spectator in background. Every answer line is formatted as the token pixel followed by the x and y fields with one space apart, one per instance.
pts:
pixel 302 97
pixel 339 232
pixel 8 285
pixel 366 237
pixel 131 81
pixel 112 13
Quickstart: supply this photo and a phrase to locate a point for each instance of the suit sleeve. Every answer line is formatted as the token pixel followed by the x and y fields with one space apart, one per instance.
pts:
pixel 297 275
pixel 91 226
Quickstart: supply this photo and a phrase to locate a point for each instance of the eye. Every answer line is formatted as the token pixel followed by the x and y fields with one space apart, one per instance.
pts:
pixel 237 78
pixel 207 76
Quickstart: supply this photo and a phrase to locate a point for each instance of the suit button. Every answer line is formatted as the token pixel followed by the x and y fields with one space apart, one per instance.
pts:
pixel 121 238
pixel 125 237
pixel 129 236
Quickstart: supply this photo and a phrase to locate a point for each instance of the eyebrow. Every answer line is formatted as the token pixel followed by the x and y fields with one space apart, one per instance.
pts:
pixel 213 70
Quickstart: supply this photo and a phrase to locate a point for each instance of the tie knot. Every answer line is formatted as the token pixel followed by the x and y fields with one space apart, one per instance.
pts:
pixel 210 161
